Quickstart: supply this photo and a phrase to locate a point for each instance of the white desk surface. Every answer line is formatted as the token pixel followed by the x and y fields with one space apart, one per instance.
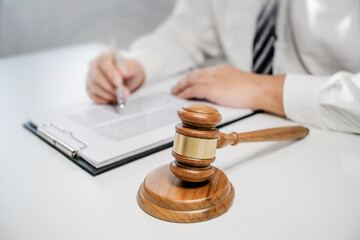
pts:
pixel 309 189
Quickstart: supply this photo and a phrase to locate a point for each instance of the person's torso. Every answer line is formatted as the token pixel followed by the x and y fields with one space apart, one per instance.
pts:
pixel 313 36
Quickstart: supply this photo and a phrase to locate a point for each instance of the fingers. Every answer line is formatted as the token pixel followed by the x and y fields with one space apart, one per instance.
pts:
pixel 104 77
pixel 99 88
pixel 129 78
pixel 95 89
pixel 198 91
pixel 126 92
pixel 194 77
pixel 97 99
pixel 125 70
pixel 100 79
pixel 110 70
pixel 133 74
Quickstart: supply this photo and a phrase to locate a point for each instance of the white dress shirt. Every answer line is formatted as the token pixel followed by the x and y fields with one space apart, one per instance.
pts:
pixel 317 47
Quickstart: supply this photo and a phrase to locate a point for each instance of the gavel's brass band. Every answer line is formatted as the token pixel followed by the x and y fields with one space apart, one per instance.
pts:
pixel 194 147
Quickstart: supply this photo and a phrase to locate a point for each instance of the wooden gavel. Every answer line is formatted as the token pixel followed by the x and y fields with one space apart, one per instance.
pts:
pixel 191 190
pixel 197 139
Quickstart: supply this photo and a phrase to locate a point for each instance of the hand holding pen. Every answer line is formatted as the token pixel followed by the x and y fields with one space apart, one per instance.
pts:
pixel 105 77
pixel 120 88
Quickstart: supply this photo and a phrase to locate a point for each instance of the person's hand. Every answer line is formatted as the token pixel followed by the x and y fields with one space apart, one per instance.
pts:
pixel 104 76
pixel 228 86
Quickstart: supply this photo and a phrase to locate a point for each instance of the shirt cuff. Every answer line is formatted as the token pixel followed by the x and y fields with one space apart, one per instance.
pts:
pixel 301 98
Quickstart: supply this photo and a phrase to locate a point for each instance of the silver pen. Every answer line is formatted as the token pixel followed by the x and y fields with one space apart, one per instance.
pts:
pixel 120 88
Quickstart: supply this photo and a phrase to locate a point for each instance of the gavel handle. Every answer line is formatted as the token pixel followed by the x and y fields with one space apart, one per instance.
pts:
pixel 271 134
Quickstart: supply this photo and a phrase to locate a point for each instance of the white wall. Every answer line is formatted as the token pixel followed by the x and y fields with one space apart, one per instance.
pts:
pixel 33 25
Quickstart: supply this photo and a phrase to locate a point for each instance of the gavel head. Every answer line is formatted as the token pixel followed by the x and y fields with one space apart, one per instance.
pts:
pixel 195 143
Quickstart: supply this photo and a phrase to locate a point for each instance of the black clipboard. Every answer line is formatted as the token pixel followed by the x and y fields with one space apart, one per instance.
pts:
pixel 96 171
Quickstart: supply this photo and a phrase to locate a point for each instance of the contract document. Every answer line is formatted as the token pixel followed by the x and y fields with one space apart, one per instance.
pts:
pixel 103 135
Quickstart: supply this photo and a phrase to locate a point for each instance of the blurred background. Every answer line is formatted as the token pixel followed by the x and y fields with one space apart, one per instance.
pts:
pixel 34 25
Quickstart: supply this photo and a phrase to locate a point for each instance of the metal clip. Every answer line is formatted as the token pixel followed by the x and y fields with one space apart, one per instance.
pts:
pixel 57 137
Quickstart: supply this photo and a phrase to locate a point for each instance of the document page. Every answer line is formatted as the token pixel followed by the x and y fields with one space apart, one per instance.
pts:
pixel 112 134
pixel 141 114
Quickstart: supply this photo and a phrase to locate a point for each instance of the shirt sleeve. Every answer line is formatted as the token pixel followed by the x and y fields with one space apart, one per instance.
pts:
pixel 331 102
pixel 181 43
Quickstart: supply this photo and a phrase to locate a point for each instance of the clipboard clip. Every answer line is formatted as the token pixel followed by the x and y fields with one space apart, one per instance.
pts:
pixel 60 138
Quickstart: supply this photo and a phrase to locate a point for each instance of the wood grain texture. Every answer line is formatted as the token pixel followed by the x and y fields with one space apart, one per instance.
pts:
pixel 204 133
pixel 191 173
pixel 164 196
pixel 271 134
pixel 193 161
pixel 199 116
pixel 198 122
pixel 190 189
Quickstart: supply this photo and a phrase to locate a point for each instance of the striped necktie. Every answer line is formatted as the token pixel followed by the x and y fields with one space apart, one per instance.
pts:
pixel 265 37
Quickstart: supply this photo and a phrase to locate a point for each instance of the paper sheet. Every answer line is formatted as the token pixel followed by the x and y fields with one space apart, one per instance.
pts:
pixel 140 115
